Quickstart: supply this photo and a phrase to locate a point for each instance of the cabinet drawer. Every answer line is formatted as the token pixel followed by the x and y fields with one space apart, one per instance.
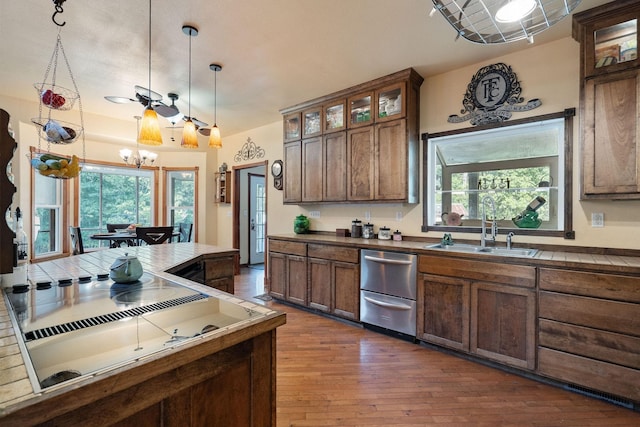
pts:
pixel 611 286
pixel 218 268
pixel 607 346
pixel 594 374
pixel 335 253
pixel 613 316
pixel 514 275
pixel 286 247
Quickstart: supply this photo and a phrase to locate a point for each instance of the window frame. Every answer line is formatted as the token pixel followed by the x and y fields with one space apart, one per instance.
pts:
pixel 567 232
pixel 166 205
pixel 62 235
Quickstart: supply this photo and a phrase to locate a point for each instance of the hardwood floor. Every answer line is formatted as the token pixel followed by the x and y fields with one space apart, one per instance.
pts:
pixel 332 373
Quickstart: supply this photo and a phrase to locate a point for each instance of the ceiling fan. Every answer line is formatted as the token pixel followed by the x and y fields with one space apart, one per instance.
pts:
pixel 145 97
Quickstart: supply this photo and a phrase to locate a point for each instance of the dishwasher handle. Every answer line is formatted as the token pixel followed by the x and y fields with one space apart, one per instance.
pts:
pixel 388 261
pixel 388 304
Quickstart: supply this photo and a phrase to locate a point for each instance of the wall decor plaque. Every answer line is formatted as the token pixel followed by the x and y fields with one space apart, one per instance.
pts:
pixel 492 95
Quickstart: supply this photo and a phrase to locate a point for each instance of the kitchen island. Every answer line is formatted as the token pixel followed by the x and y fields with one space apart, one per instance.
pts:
pixel 220 377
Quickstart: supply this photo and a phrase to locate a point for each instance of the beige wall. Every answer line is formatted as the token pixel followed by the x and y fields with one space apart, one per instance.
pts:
pixel 548 72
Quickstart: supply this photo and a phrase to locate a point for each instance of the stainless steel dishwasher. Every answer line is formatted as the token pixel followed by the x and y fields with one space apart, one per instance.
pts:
pixel 388 290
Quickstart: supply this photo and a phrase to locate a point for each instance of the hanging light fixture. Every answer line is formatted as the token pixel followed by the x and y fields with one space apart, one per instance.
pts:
pixel 515 10
pixel 215 140
pixel 140 157
pixel 189 136
pixel 502 21
pixel 150 131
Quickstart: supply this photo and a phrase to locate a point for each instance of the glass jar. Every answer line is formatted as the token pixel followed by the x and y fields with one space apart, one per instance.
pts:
pixel 367 231
pixel 301 224
pixel 356 228
pixel 384 233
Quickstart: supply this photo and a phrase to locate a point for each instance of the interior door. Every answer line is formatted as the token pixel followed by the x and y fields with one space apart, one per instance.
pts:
pixel 257 218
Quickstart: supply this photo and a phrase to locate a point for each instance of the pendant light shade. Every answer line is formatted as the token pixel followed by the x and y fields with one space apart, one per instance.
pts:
pixel 189 135
pixel 150 129
pixel 215 140
pixel 515 10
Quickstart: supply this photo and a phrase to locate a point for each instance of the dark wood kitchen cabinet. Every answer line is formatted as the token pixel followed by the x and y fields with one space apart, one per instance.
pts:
pixel 483 308
pixel 382 144
pixel 609 100
pixel 216 272
pixel 334 280
pixel 288 271
pixel 589 330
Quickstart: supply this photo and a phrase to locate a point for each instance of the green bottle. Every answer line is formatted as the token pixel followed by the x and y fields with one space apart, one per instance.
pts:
pixel 301 224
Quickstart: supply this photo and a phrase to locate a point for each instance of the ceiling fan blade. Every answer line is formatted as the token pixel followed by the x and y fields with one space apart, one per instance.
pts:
pixel 198 123
pixel 147 93
pixel 166 110
pixel 120 99
pixel 204 131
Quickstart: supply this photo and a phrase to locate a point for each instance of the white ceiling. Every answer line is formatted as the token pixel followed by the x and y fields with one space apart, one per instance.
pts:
pixel 274 53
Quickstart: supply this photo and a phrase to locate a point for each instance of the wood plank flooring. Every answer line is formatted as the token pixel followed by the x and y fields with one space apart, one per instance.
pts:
pixel 332 373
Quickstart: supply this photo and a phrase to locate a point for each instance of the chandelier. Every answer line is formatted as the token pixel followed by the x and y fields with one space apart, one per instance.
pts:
pixel 502 21
pixel 140 157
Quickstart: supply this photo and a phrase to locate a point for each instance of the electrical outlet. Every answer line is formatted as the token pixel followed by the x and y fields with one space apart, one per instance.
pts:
pixel 367 216
pixel 314 214
pixel 399 216
pixel 597 219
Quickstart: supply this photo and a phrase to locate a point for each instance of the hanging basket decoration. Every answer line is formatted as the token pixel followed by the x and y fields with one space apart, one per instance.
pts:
pixel 54 166
pixel 58 100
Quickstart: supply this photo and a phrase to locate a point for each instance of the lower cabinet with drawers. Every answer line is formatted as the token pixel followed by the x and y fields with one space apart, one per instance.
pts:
pixel 322 277
pixel 589 330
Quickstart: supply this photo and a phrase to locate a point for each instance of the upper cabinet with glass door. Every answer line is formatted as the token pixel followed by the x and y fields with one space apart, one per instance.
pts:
pixel 334 116
pixel 360 109
pixel 390 103
pixel 312 122
pixel 609 39
pixel 292 127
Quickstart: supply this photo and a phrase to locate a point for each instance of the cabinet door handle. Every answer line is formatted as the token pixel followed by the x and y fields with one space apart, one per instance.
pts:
pixel 388 304
pixel 387 261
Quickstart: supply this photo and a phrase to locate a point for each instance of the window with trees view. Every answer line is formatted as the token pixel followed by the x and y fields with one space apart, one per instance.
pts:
pixel 48 216
pixel 513 163
pixel 111 194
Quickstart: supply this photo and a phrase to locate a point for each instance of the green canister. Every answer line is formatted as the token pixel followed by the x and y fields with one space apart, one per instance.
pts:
pixel 301 224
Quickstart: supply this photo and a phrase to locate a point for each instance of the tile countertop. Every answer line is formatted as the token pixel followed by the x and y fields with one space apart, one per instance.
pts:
pixel 587 259
pixel 15 388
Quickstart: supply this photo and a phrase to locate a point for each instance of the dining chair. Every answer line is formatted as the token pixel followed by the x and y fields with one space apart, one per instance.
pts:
pixel 112 228
pixel 76 240
pixel 185 230
pixel 155 235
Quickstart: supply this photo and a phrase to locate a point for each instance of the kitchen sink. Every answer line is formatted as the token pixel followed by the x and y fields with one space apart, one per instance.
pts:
pixel 461 247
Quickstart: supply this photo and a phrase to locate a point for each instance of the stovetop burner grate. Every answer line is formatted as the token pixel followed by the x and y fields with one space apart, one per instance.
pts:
pixel 110 317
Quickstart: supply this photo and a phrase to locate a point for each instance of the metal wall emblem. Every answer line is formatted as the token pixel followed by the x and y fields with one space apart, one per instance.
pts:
pixel 491 97
pixel 249 151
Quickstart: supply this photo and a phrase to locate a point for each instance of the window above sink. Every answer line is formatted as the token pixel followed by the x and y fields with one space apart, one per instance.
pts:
pixel 513 162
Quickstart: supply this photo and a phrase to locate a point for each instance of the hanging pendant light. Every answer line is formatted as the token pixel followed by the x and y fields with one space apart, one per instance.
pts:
pixel 150 129
pixel 189 136
pixel 215 140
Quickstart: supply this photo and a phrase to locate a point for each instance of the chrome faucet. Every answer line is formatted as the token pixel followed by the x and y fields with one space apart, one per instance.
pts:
pixel 494 224
pixel 509 237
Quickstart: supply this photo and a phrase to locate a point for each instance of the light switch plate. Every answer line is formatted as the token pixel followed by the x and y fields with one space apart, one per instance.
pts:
pixel 314 214
pixel 597 219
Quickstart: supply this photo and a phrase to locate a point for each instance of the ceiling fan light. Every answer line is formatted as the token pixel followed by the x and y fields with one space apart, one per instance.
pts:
pixel 189 136
pixel 215 140
pixel 150 128
pixel 515 10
